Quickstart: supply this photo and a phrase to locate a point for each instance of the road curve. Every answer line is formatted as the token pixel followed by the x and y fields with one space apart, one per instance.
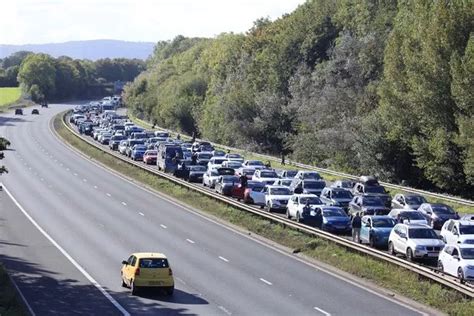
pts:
pixel 99 218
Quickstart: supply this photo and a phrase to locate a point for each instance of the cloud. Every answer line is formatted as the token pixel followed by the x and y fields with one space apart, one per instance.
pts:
pixel 145 20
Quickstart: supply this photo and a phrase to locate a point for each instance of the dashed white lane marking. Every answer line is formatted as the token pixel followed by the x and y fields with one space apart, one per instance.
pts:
pixel 266 282
pixel 85 180
pixel 29 168
pixel 108 194
pixel 67 169
pixel 75 174
pixel 190 241
pixel 223 259
pixel 69 257
pixel 124 204
pixel 322 311
pixel 42 179
pixel 225 310
pixel 163 226
pixel 141 213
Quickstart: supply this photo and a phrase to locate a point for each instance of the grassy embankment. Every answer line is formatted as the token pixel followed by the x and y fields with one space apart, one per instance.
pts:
pixel 10 302
pixel 462 209
pixel 9 96
pixel 381 273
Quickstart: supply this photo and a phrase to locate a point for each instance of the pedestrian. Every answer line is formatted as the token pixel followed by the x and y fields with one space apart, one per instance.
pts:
pixel 178 137
pixel 282 159
pixel 268 165
pixel 193 138
pixel 318 219
pixel 243 181
pixel 356 225
pixel 194 159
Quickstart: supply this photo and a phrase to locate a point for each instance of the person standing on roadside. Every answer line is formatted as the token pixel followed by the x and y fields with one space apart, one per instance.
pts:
pixel 318 219
pixel 356 225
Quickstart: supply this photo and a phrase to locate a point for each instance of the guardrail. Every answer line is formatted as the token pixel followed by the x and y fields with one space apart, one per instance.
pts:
pixel 420 270
pixel 340 174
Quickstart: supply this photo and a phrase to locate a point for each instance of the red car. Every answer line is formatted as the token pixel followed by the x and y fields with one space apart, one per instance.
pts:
pixel 150 157
pixel 243 194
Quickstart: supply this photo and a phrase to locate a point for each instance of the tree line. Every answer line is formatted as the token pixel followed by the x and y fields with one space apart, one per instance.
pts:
pixel 46 78
pixel 365 87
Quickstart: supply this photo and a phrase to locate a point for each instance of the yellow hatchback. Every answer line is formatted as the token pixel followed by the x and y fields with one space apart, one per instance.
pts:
pixel 147 269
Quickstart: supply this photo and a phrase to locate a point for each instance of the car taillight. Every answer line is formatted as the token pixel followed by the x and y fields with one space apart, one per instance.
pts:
pixel 137 271
pixel 170 272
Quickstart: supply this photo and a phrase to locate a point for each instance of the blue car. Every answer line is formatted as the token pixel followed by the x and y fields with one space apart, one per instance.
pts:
pixel 335 220
pixel 376 229
pixel 138 151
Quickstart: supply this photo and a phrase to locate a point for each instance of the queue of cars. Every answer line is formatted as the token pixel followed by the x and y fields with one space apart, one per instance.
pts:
pixel 404 224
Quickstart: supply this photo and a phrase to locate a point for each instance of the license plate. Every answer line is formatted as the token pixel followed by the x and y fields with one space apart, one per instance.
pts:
pixel 155 283
pixel 433 254
pixel 340 227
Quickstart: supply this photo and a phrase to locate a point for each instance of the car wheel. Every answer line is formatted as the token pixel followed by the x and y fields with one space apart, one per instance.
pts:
pixel 133 288
pixel 170 290
pixel 461 276
pixel 391 249
pixel 288 213
pixel 409 255
pixel 440 266
pixel 371 241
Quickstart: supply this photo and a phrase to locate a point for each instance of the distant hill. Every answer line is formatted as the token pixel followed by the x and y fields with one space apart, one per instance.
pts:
pixel 93 49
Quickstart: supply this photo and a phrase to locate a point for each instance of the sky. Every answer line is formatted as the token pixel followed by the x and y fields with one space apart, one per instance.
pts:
pixel 53 21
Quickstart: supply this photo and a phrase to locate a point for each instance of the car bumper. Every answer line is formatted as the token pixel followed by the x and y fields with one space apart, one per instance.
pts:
pixel 337 229
pixel 154 282
pixel 424 254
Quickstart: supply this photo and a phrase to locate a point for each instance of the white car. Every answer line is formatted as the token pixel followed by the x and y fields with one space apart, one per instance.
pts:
pixel 415 241
pixel 257 196
pixel 458 232
pixel 407 201
pixel 209 178
pixel 306 175
pixel 408 216
pixel 234 157
pixel 265 176
pixel 254 164
pixel 276 197
pixel 232 164
pixel 297 202
pixel 457 260
pixel 286 182
pixel 216 162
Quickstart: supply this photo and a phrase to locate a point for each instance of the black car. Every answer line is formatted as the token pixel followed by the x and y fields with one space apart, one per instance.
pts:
pixel 194 173
pixel 44 105
pixel 368 205
pixel 35 111
pixel 18 112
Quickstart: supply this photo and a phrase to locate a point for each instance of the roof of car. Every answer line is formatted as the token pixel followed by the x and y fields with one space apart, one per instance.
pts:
pixel 305 195
pixel 377 216
pixel 149 255
pixel 412 225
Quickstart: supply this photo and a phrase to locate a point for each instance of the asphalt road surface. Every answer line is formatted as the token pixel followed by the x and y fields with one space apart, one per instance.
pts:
pixel 97 219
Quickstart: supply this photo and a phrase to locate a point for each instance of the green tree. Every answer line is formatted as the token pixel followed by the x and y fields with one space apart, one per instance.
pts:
pixel 39 70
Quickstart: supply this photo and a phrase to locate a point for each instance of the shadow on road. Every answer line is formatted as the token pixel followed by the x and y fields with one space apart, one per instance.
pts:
pixel 12 121
pixel 51 293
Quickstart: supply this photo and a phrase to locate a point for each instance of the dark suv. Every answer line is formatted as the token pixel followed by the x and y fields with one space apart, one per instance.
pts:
pixel 18 112
pixel 368 185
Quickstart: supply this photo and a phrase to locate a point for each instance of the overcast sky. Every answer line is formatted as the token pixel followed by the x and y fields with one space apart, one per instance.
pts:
pixel 46 21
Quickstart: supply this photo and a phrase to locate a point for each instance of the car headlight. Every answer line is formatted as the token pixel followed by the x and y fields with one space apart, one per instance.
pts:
pixel 420 248
pixel 275 202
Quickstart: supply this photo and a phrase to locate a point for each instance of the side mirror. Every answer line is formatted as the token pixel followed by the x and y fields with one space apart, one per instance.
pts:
pixel 125 262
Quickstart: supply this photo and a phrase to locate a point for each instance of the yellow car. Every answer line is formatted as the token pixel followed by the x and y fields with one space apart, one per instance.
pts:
pixel 147 269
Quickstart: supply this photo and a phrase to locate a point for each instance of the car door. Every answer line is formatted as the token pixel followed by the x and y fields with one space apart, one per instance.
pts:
pixel 129 269
pixel 454 234
pixel 399 240
pixel 292 203
pixel 365 229
pixel 453 262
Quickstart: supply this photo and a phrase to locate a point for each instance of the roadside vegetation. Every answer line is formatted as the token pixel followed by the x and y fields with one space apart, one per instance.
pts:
pixel 381 273
pixel 9 95
pixel 366 87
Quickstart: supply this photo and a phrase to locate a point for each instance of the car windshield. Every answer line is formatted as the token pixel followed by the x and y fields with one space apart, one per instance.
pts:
pixel 214 173
pixel 255 163
pixel 118 137
pixel 342 194
pixel 286 182
pixel 218 153
pixel 248 172
pixel 219 161
pixel 313 185
pixel 373 201
pixel 291 173
pixel 234 156
pixel 467 253
pixel 311 175
pixel 374 189
pixel 383 222
pixel 204 156
pixel 442 209
pixel 415 199
pixel 280 191
pixel 230 179
pixel 152 153
pixel 140 147
pixel 334 212
pixel 422 233
pixel 313 200
pixel 197 168
pixel 412 215
pixel 233 164
pixel 346 184
pixel 171 152
pixel 268 174
pixel 153 263
pixel 466 229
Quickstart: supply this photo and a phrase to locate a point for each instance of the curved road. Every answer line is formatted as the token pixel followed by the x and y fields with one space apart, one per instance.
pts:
pixel 98 219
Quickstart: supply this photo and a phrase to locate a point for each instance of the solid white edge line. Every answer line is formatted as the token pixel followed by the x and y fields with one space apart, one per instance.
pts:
pixel 141 213
pixel 322 311
pixel 66 254
pixel 124 204
pixel 223 259
pixel 265 281
pixel 190 241
pixel 170 200
pixel 23 298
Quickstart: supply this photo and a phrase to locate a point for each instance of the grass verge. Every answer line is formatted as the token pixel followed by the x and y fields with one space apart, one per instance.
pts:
pixel 381 273
pixel 9 96
pixel 10 303
pixel 461 208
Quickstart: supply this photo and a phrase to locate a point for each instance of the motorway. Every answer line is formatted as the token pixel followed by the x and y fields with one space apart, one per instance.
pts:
pixel 97 219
